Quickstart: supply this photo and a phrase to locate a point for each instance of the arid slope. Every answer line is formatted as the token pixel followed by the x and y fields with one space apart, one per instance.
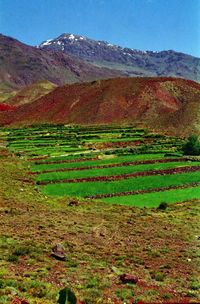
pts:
pixel 167 104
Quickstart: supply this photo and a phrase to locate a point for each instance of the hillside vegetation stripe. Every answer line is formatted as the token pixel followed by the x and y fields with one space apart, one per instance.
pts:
pixel 135 192
pixel 124 176
pixel 143 162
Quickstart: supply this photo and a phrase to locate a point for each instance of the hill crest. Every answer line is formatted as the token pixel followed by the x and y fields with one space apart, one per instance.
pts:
pixel 166 104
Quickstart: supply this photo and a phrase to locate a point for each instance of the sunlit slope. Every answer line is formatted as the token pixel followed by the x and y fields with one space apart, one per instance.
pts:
pixel 167 104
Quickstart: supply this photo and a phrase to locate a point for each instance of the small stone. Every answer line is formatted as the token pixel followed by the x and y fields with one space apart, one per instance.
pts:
pixel 73 203
pixel 58 252
pixel 129 278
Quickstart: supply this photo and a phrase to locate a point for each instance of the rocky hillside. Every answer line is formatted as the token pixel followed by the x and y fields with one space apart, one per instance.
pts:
pixel 21 65
pixel 131 61
pixel 167 104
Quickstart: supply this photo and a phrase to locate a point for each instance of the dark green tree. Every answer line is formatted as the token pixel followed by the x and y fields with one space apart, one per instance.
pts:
pixel 192 146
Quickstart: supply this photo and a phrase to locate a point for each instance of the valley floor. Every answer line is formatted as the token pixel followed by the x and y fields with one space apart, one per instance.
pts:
pixel 102 241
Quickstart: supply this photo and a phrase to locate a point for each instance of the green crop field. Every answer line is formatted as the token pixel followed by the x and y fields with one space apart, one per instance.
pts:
pixel 100 156
pixel 132 184
pixel 110 171
pixel 154 199
pixel 86 163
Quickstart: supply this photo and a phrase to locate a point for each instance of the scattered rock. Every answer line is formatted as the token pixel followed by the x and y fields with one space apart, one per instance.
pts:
pixel 73 203
pixel 58 252
pixel 129 278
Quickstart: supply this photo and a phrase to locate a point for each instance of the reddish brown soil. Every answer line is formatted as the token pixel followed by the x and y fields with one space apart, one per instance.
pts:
pixel 161 103
pixel 118 144
pixel 100 241
pixel 123 176
pixel 5 107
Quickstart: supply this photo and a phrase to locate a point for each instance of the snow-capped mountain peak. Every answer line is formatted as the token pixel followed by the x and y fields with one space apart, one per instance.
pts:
pixel 132 61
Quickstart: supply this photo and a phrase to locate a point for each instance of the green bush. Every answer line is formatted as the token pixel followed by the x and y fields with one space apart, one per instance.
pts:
pixel 162 206
pixel 192 146
pixel 66 296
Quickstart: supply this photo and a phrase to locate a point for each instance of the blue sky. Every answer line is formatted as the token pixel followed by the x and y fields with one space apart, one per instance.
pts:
pixel 142 24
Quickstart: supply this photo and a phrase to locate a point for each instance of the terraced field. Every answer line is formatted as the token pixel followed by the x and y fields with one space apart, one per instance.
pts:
pixel 118 165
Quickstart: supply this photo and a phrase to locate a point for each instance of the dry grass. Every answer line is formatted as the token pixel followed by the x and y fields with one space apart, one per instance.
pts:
pixel 101 241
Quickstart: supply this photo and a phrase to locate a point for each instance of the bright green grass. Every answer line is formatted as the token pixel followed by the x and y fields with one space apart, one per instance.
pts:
pixel 39 143
pixel 65 157
pixel 49 151
pixel 107 161
pixel 110 171
pixel 47 148
pixel 112 139
pixel 153 199
pixel 131 184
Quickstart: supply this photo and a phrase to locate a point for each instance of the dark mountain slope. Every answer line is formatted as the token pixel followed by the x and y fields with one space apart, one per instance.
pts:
pixel 21 65
pixel 161 103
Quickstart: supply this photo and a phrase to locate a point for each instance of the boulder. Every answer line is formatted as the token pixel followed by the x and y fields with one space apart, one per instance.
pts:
pixel 58 252
pixel 129 278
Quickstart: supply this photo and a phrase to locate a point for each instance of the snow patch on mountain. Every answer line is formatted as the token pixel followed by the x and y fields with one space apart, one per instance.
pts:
pixel 48 42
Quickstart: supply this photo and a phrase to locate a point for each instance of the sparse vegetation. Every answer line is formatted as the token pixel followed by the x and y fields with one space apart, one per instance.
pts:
pixel 102 240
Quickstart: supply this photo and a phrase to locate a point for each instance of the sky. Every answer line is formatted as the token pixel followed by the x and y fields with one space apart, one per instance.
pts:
pixel 140 24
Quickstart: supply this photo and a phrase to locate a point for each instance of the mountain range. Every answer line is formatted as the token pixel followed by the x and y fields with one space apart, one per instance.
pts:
pixel 132 62
pixel 72 58
pixel 22 65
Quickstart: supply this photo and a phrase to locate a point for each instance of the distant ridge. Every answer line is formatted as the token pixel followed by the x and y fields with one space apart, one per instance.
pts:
pixel 72 58
pixel 130 61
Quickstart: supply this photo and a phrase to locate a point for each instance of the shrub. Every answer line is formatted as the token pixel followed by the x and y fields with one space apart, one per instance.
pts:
pixel 192 146
pixel 21 250
pixel 124 294
pixel 13 258
pixel 162 206
pixel 158 276
pixel 66 296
